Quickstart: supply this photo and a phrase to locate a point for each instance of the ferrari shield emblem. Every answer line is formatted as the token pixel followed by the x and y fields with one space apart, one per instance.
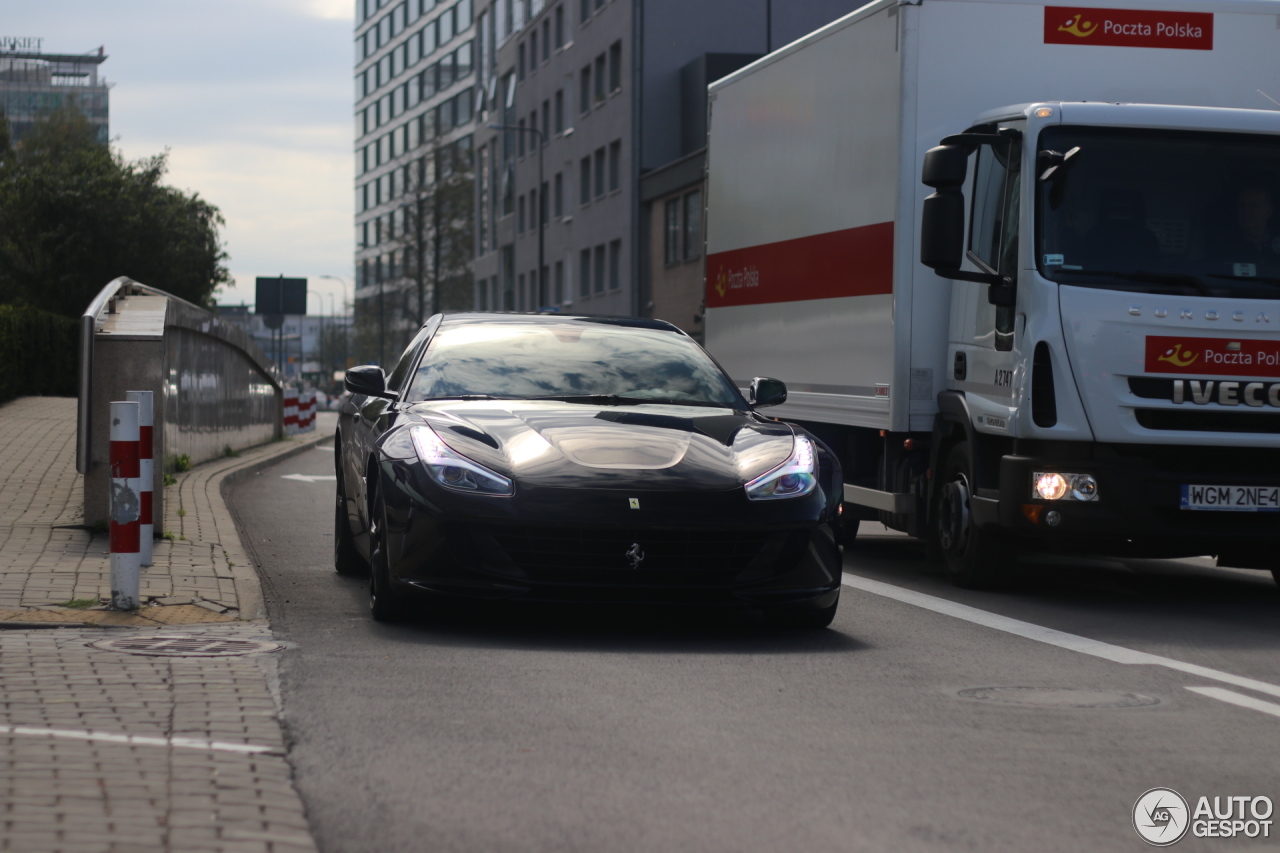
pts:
pixel 634 502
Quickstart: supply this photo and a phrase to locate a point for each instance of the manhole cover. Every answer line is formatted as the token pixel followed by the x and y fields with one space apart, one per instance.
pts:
pixel 1058 697
pixel 186 647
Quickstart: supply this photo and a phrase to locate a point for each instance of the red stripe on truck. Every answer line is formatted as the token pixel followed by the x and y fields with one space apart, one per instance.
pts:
pixel 852 262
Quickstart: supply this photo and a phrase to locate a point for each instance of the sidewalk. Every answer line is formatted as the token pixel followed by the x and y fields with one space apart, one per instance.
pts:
pixel 106 751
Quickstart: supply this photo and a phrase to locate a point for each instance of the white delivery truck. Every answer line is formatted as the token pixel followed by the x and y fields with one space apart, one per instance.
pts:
pixel 1019 266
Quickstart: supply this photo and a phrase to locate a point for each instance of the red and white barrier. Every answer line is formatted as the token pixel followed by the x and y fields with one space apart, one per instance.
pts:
pixel 126 488
pixel 290 411
pixel 146 462
pixel 299 411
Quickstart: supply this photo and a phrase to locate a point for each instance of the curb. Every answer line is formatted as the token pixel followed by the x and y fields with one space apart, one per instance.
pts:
pixel 244 570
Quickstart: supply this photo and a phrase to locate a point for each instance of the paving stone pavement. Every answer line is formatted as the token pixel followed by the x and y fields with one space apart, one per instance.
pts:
pixel 71 779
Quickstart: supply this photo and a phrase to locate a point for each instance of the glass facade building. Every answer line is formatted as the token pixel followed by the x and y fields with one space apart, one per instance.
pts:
pixel 33 84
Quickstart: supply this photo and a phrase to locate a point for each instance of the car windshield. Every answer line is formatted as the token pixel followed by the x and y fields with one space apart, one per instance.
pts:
pixel 580 360
pixel 1161 211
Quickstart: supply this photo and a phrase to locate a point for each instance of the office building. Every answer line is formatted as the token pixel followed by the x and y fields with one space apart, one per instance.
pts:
pixel 414 117
pixel 589 199
pixel 34 83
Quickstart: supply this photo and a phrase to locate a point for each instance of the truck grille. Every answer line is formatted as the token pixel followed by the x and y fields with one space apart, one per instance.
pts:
pixel 1213 421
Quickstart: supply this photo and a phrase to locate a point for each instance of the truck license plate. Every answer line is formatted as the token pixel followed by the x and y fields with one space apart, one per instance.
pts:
pixel 1232 498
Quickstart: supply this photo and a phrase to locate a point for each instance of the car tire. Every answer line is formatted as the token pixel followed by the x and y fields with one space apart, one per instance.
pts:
pixel 974 558
pixel 384 603
pixel 804 617
pixel 346 559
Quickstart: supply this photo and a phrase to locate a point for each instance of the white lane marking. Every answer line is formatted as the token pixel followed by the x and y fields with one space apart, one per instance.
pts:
pixel 310 478
pixel 137 740
pixel 323 447
pixel 1238 699
pixel 1061 639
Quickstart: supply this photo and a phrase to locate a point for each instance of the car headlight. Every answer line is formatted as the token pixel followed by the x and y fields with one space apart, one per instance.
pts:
pixel 1056 485
pixel 453 470
pixel 796 477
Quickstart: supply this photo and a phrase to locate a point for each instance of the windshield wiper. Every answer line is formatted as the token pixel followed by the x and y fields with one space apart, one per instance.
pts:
pixel 1262 278
pixel 1182 279
pixel 467 397
pixel 596 399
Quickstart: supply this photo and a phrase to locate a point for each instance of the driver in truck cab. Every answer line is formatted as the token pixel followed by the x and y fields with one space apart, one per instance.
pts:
pixel 1251 247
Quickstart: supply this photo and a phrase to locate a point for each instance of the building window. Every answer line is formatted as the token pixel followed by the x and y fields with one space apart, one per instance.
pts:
pixel 599 271
pixel 693 225
pixel 559 27
pixel 615 264
pixel 520 215
pixel 533 50
pixel 546 121
pixel 584 264
pixel 559 283
pixel 520 62
pixel 671 232
pixel 559 195
pixel 535 291
pixel 600 171
pixel 584 11
pixel 584 90
pixel 520 140
pixel 520 293
pixel 615 66
pixel 600 77
pixel 543 201
pixel 546 38
pixel 615 165
pixel 533 209
pixel 559 126
pixel 584 182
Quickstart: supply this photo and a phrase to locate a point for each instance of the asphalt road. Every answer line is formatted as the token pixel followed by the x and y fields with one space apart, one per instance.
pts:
pixel 546 729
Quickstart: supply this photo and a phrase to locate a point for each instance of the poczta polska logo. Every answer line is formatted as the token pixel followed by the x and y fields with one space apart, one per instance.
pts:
pixel 1161 817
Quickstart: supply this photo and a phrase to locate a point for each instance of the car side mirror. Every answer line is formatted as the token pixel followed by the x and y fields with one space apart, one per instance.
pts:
pixel 768 392
pixel 369 380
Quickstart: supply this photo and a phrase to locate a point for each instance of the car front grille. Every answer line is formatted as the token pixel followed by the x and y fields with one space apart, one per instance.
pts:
pixel 1208 421
pixel 595 555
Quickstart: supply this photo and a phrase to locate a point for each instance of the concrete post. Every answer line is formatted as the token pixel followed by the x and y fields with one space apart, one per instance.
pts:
pixel 146 464
pixel 126 488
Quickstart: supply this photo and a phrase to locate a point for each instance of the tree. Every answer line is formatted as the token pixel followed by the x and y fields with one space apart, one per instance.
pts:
pixel 74 214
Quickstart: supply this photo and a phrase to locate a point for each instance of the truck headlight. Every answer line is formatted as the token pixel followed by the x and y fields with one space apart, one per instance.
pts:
pixel 792 479
pixel 453 470
pixel 1057 485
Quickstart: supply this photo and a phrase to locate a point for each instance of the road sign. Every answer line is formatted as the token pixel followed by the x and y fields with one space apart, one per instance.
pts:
pixel 280 295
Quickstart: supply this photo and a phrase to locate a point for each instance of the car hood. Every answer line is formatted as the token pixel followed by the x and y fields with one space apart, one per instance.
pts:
pixel 646 446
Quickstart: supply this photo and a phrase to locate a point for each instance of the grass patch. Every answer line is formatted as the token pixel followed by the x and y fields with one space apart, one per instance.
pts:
pixel 182 513
pixel 170 480
pixel 168 534
pixel 228 452
pixel 80 603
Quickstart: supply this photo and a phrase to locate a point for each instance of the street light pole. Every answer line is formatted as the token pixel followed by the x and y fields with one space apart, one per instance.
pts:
pixel 542 140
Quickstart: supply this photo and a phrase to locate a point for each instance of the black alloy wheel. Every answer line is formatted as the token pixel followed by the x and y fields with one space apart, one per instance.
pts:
pixel 975 559
pixel 346 559
pixel 384 604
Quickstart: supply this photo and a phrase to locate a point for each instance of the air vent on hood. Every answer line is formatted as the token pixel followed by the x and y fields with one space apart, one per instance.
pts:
pixel 1044 400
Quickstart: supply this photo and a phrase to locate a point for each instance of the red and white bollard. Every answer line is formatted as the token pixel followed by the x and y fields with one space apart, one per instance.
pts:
pixel 126 487
pixel 290 412
pixel 146 463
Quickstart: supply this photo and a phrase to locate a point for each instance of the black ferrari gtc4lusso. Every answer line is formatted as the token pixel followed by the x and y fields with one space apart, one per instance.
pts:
pixel 566 458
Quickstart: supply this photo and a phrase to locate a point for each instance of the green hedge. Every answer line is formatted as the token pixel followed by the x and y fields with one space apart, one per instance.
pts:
pixel 38 353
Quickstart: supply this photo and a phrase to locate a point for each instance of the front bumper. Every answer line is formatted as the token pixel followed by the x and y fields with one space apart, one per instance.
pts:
pixel 1138 507
pixel 705 548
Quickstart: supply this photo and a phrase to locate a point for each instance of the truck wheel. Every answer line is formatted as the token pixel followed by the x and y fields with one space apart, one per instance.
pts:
pixel 975 559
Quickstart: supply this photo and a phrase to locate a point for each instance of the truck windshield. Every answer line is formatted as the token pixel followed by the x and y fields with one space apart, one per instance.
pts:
pixel 1195 213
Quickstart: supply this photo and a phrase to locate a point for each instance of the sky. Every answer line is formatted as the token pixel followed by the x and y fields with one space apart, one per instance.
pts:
pixel 253 99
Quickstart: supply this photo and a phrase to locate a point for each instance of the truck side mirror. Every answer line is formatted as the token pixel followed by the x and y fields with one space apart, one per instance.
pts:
pixel 945 167
pixel 942 230
pixel 768 392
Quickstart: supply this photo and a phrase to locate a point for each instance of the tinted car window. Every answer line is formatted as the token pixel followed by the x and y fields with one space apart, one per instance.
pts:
pixel 569 359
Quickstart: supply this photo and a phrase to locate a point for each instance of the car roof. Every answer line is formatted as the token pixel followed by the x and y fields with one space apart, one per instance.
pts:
pixel 552 318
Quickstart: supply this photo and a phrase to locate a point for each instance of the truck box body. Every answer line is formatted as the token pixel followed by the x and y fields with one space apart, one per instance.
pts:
pixel 1082 318
pixel 814 192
